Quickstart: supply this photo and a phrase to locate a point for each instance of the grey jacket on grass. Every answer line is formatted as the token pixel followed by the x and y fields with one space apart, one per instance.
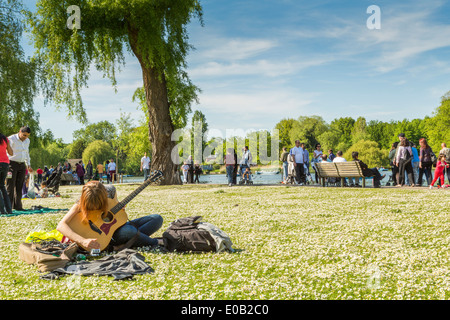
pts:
pixel 122 265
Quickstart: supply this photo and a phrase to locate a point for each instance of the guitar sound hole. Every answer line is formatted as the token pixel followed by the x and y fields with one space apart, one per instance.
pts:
pixel 107 217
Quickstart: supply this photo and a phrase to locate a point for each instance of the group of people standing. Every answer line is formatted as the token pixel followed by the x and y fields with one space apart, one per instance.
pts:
pixel 410 164
pixel 296 163
pixel 14 158
pixel 232 164
pixel 191 171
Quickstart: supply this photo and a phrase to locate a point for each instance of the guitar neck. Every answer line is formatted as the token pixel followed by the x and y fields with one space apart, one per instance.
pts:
pixel 132 195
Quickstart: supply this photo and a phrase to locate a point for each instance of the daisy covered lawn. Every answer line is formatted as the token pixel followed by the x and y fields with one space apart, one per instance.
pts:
pixel 291 243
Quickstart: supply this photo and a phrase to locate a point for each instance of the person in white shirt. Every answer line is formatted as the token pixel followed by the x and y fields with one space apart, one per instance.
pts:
pixel 145 166
pixel 246 160
pixel 339 157
pixel 19 162
pixel 297 152
pixel 112 170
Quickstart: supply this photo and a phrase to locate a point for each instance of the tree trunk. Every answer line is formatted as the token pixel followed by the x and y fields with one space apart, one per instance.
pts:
pixel 160 123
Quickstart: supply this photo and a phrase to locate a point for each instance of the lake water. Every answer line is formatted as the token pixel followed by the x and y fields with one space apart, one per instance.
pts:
pixel 261 179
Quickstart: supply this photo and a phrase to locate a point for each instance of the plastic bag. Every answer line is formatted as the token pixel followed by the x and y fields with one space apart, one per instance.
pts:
pixel 31 189
pixel 41 235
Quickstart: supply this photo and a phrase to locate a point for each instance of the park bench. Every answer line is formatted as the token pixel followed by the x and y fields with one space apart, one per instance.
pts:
pixel 340 170
pixel 67 178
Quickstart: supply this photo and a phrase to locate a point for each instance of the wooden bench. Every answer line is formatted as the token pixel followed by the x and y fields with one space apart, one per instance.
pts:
pixel 340 170
pixel 67 178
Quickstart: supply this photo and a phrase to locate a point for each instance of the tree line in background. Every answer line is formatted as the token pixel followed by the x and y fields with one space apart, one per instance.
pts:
pixel 98 142
pixel 372 139
pixel 126 143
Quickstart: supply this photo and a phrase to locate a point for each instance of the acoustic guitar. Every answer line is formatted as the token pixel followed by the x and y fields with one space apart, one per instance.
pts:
pixel 102 225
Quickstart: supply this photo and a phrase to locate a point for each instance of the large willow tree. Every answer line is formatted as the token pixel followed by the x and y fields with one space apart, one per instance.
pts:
pixel 154 30
pixel 17 74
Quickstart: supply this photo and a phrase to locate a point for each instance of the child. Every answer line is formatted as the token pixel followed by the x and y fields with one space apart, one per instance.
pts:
pixel 439 173
pixel 185 168
pixel 247 176
pixel 43 193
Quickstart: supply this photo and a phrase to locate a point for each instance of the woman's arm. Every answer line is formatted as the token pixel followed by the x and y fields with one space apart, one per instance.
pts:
pixel 9 149
pixel 64 228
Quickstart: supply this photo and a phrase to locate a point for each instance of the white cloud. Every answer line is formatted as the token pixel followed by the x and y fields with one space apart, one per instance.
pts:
pixel 233 49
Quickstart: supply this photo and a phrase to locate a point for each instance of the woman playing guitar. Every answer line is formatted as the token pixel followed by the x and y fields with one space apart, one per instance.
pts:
pixel 96 199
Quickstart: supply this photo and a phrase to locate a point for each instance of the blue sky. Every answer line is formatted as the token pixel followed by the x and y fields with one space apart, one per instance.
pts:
pixel 259 61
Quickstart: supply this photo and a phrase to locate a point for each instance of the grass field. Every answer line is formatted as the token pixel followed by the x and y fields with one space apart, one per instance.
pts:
pixel 291 243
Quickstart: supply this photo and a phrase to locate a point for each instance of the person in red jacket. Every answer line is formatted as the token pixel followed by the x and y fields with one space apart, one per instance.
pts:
pixel 439 172
pixel 39 172
pixel 5 149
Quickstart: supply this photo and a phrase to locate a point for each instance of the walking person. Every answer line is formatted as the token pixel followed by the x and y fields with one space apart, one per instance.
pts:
pixel 185 169
pixel 446 151
pixel 404 160
pixel 5 149
pixel 246 160
pixel 39 172
pixel 415 163
pixel 441 165
pixel 425 164
pixel 89 171
pixel 297 152
pixel 197 171
pixel 145 166
pixel 19 162
pixel 112 170
pixel 108 177
pixel 80 172
pixel 394 167
pixel 284 161
pixel 230 164
pixel 100 169
pixel 317 157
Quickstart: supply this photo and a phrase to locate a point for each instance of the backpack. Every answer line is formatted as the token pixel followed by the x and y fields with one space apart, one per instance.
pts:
pixel 192 235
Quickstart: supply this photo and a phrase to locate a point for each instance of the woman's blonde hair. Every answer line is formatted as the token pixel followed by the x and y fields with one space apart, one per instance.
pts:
pixel 93 197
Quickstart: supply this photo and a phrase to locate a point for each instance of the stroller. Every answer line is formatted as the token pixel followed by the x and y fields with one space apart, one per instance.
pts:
pixel 246 175
pixel 54 181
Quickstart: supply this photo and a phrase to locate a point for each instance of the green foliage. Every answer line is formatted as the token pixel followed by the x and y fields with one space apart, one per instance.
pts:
pixel 66 56
pixel 77 148
pixel 138 143
pixel 307 130
pixel 438 127
pixel 49 155
pixel 103 130
pixel 17 74
pixel 284 127
pixel 98 152
pixel 369 153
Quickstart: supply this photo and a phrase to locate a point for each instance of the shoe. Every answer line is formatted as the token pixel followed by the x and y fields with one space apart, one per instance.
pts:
pixel 229 184
pixel 431 187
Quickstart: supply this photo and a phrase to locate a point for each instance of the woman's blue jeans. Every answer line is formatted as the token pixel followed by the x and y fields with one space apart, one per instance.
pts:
pixel 5 202
pixel 285 170
pixel 146 226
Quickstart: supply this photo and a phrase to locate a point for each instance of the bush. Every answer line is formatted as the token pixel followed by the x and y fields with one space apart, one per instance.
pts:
pixel 369 153
pixel 98 151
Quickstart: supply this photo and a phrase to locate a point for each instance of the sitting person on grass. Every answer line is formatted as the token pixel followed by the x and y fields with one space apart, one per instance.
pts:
pixel 373 172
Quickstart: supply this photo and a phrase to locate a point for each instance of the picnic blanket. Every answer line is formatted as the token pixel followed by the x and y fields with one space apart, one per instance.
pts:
pixel 33 210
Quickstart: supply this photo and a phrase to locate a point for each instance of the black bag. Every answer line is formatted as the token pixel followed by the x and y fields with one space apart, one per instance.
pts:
pixel 183 235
